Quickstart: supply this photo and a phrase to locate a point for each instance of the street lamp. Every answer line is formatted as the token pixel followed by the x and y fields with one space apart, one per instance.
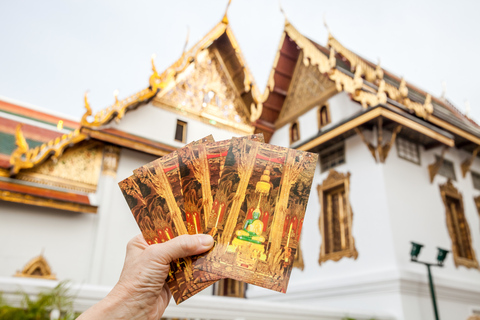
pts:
pixel 442 254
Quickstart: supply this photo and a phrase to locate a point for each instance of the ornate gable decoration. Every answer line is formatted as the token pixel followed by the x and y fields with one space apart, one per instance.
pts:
pixel 37 268
pixel 204 91
pixel 309 86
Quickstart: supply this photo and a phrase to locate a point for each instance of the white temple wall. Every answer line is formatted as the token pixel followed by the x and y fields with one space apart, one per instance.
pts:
pixel 159 125
pixel 342 107
pixel 418 214
pixel 65 238
pixel 372 234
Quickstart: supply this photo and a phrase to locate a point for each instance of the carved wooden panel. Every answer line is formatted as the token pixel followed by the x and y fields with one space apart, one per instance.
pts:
pixel 336 217
pixel 307 88
pixel 78 168
pixel 457 224
pixel 205 90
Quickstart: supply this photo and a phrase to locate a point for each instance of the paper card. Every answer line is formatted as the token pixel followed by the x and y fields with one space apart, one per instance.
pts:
pixel 216 153
pixel 163 179
pixel 265 191
pixel 157 227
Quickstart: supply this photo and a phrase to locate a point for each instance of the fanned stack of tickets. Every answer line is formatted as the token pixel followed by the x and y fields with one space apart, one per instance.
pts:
pixel 249 195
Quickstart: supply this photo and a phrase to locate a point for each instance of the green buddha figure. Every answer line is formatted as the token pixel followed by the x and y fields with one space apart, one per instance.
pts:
pixel 252 230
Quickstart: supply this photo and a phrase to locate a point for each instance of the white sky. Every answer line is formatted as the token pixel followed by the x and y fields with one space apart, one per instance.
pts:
pixel 51 52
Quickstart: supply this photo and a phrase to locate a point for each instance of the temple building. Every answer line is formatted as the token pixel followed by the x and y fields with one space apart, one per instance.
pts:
pixel 396 165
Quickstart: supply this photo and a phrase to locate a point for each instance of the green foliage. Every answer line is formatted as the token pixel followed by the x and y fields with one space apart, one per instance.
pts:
pixel 40 308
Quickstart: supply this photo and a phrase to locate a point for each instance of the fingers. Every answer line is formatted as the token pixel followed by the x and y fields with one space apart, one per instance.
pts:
pixel 181 247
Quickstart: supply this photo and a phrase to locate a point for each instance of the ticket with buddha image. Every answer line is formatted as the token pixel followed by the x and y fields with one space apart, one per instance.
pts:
pixel 157 227
pixel 162 177
pixel 215 153
pixel 265 191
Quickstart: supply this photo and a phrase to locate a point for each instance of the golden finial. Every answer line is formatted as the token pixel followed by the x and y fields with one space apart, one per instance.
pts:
pixel 60 125
pixel 403 88
pixel 225 18
pixel 186 40
pixel 115 94
pixel 283 12
pixel 444 90
pixel 326 25
pixel 154 69
pixel 20 140
pixel 88 111
pixel 379 70
pixel 467 108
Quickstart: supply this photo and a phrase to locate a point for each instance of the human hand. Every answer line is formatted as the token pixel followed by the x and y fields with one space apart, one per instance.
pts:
pixel 141 292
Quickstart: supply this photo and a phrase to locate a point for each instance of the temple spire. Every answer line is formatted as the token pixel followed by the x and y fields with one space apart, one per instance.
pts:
pixel 225 18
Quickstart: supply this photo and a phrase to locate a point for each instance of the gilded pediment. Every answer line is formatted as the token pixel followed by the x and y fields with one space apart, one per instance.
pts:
pixel 205 91
pixel 37 268
pixel 308 88
pixel 78 168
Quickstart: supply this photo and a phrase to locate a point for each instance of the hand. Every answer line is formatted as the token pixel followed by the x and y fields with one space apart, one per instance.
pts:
pixel 141 292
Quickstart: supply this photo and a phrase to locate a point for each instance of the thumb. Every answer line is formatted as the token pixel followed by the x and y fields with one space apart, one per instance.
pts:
pixel 181 247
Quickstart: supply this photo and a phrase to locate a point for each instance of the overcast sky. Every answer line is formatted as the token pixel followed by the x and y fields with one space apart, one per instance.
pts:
pixel 51 52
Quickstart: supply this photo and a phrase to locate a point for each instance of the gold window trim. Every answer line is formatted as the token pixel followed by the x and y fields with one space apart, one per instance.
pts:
pixel 184 132
pixel 291 129
pixel 336 179
pixel 235 288
pixel 319 115
pixel 448 189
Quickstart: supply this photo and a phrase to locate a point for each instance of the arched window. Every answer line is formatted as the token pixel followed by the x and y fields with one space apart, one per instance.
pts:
pixel 294 132
pixel 323 115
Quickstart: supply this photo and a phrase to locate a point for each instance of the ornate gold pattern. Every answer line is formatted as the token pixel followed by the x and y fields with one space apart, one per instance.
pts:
pixel 111 156
pixel 336 181
pixel 204 90
pixel 78 169
pixel 465 166
pixel 43 202
pixel 382 149
pixel 458 227
pixel 354 86
pixel 37 268
pixel 435 166
pixel 308 87
pixel 24 158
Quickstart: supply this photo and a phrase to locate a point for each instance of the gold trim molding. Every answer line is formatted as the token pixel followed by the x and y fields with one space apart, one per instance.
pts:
pixel 448 190
pixel 37 268
pixel 333 181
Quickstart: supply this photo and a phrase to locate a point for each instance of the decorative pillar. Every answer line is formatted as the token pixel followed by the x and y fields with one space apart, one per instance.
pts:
pixel 106 185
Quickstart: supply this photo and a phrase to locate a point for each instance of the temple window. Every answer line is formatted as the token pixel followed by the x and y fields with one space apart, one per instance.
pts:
pixel 229 288
pixel 336 218
pixel 181 131
pixel 323 115
pixel 457 226
pixel 476 179
pixel 294 132
pixel 408 150
pixel 447 170
pixel 332 157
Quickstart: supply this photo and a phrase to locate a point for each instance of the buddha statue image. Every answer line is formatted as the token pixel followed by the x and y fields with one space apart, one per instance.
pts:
pixel 249 241
pixel 253 229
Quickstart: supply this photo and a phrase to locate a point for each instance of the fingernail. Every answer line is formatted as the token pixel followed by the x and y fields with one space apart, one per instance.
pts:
pixel 205 239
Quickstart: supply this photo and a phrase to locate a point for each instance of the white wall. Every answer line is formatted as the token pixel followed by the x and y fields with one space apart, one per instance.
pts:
pixel 159 125
pixel 65 237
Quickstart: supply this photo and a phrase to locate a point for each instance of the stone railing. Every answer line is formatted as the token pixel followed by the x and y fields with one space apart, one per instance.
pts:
pixel 201 307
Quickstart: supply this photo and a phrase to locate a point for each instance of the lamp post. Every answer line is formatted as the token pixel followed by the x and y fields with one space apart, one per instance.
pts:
pixel 442 254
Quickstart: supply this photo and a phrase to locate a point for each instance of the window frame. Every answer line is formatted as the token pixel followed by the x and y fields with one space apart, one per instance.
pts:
pixel 444 161
pixel 184 125
pixel 291 130
pixel 319 115
pixel 334 181
pixel 327 150
pixel 417 150
pixel 448 190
